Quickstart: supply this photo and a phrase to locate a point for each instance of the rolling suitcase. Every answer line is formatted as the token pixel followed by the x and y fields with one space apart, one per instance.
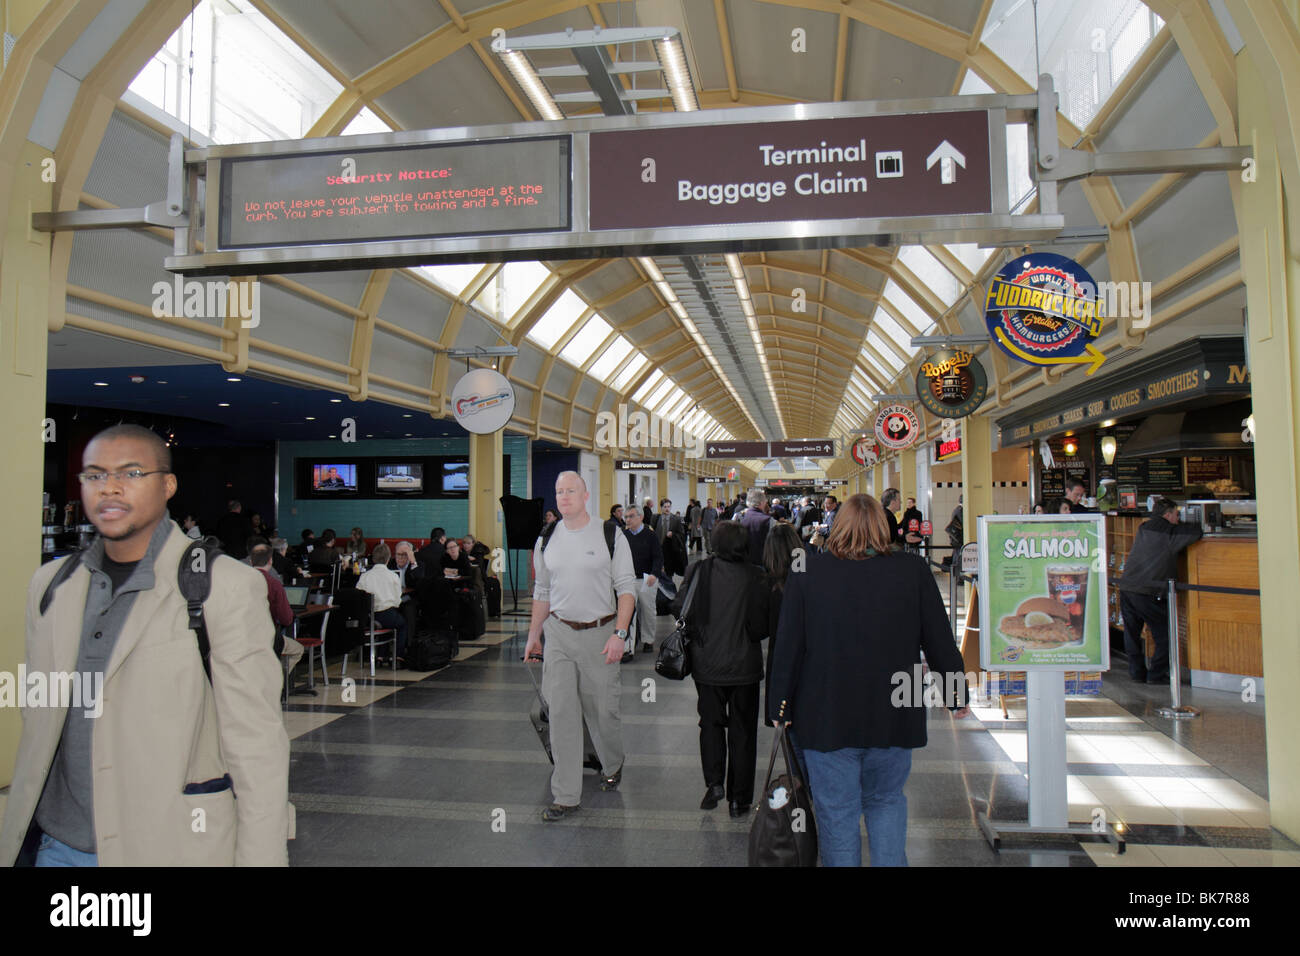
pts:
pixel 542 725
pixel 492 588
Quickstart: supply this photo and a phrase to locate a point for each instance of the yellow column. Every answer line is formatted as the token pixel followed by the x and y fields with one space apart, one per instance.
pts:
pixel 906 476
pixel 976 470
pixel 1268 223
pixel 878 478
pixel 485 488
pixel 661 483
pixel 24 306
pixel 608 480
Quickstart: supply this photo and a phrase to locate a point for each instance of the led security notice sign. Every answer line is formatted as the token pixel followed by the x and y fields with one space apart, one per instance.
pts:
pixel 506 186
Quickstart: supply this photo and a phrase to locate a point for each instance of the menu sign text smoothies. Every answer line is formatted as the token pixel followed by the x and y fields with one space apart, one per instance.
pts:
pixel 1044 584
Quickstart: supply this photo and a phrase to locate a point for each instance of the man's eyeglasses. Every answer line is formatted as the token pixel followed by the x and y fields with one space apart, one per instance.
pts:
pixel 130 476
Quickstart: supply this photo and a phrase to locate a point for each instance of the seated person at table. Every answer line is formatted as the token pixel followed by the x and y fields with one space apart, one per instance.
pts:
pixel 479 553
pixel 409 571
pixel 280 560
pixel 356 544
pixel 259 556
pixel 455 560
pixel 325 554
pixel 386 588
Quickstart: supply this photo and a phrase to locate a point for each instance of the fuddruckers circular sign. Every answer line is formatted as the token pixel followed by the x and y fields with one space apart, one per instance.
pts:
pixel 952 384
pixel 1042 310
pixel 897 427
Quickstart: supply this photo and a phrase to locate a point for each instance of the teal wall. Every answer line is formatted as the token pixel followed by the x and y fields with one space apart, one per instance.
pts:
pixel 385 517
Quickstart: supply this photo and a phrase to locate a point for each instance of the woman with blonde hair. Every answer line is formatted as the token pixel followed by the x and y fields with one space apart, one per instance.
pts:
pixel 853 624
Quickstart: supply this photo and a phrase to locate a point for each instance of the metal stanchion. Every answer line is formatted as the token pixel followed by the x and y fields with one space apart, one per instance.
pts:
pixel 1175 710
pixel 953 574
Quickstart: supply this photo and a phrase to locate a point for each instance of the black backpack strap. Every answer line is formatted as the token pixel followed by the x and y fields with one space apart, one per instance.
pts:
pixel 610 529
pixel 194 578
pixel 550 530
pixel 66 567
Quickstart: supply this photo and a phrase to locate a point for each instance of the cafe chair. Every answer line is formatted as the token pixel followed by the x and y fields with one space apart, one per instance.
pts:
pixel 357 611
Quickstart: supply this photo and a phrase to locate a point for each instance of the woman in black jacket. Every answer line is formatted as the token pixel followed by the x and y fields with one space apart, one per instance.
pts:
pixel 728 619
pixel 848 657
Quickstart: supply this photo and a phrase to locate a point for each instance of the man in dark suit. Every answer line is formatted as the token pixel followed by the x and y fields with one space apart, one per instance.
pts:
pixel 234 529
pixel 809 515
pixel 431 554
pixel 411 573
pixel 671 532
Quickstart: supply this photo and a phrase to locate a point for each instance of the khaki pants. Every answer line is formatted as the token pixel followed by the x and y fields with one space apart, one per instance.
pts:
pixel 292 653
pixel 645 624
pixel 577 683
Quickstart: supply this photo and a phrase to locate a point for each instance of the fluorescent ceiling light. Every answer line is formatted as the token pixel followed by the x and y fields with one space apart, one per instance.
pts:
pixel 672 57
pixel 531 84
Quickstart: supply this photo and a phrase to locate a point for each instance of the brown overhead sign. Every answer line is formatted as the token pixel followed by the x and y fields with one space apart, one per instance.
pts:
pixel 862 167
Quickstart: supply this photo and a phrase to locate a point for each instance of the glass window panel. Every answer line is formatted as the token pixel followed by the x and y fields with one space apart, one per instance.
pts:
pixel 886 324
pixel 1019 186
pixel 1087 46
pixel 251 82
pixel 559 318
pixel 630 371
pixel 513 285
pixel 652 381
pixel 972 84
pixel 969 255
pixel 586 341
pixel 886 354
pixel 656 397
pixel 609 359
pixel 674 410
pixel 932 272
pixel 366 122
pixel 452 278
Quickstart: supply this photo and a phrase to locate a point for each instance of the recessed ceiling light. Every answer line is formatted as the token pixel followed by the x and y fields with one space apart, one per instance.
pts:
pixel 311 418
pixel 407 415
pixel 335 401
pixel 161 382
pixel 333 436
pixel 100 384
pixel 370 436
pixel 233 378
pixel 223 404
pixel 408 434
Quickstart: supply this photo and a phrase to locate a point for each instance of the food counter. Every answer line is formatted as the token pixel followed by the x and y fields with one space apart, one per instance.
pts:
pixel 1219 634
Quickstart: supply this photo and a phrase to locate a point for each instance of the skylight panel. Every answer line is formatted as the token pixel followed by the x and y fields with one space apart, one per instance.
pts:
pixel 650 384
pixel 366 122
pixel 586 341
pixel 630 371
pixel 665 388
pixel 503 297
pixel 452 278
pixel 931 272
pixel 969 255
pixel 559 318
pixel 609 359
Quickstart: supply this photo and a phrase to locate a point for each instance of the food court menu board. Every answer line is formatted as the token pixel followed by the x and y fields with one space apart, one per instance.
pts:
pixel 1151 475
pixel 1044 581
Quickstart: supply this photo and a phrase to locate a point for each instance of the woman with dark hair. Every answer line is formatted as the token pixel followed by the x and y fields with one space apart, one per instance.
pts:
pixel 356 544
pixel 260 528
pixel 456 560
pixel 549 518
pixel 728 619
pixel 851 626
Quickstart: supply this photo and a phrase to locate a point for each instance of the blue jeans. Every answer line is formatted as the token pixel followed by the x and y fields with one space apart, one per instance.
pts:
pixel 850 783
pixel 52 852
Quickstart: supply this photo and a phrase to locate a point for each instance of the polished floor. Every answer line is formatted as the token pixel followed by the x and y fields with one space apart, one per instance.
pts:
pixel 445 769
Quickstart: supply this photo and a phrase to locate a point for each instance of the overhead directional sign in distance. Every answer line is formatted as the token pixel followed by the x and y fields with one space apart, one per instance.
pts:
pixel 803 448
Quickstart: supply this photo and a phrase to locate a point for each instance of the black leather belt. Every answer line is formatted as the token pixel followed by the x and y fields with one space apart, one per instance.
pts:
pixel 588 625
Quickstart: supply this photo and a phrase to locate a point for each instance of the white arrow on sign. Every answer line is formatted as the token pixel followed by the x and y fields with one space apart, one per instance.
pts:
pixel 948 157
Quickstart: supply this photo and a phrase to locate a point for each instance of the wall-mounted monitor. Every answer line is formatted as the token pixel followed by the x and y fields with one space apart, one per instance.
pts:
pixel 455 476
pixel 399 477
pixel 326 478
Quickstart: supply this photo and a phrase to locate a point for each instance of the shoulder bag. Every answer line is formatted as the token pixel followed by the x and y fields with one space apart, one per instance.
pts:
pixel 674 660
pixel 784 832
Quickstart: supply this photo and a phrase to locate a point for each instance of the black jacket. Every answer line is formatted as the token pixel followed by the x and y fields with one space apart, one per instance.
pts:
pixel 908 515
pixel 729 618
pixel 1154 557
pixel 847 628
pixel 774 602
pixel 647 556
pixel 430 556
pixel 757 524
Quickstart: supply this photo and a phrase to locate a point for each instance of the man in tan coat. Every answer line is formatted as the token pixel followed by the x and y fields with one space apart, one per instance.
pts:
pixel 149 773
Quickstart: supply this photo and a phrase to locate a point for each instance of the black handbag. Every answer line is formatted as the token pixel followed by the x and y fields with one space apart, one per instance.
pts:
pixel 784 835
pixel 674 660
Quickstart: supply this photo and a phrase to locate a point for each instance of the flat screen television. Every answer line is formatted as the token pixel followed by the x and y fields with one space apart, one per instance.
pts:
pixel 399 477
pixel 327 478
pixel 455 476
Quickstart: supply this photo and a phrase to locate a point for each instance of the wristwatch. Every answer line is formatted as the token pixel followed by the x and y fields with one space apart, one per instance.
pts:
pixel 621 633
